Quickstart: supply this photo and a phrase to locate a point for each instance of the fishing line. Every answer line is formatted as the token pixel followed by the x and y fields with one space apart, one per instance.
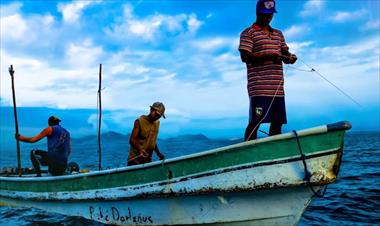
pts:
pixel 344 93
pixel 300 69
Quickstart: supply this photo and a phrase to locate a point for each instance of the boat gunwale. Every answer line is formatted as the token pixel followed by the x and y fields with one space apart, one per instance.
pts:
pixel 186 193
pixel 290 135
pixel 197 176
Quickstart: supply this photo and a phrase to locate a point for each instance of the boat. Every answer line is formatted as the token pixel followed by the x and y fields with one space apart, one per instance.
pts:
pixel 267 181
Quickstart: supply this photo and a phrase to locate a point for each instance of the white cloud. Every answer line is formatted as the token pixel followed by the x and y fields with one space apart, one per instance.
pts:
pixel 10 9
pixel 152 27
pixel 83 54
pixel 40 84
pixel 296 31
pixel 19 31
pixel 354 72
pixel 296 47
pixel 71 12
pixel 312 7
pixel 215 43
pixel 14 26
pixel 129 68
pixel 193 23
pixel 372 25
pixel 205 70
pixel 344 16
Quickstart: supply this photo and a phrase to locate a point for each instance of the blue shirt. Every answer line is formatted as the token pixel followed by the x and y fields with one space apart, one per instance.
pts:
pixel 59 146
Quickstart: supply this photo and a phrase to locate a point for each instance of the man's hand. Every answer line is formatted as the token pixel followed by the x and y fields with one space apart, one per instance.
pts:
pixel 290 59
pixel 143 153
pixel 17 136
pixel 161 156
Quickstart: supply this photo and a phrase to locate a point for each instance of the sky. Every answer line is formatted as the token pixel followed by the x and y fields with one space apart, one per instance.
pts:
pixel 184 54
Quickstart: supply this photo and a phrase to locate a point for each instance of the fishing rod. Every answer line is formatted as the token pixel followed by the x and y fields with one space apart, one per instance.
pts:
pixel 12 72
pixel 100 116
pixel 323 77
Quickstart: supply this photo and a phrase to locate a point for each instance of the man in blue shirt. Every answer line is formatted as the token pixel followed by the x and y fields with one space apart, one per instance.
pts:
pixel 59 148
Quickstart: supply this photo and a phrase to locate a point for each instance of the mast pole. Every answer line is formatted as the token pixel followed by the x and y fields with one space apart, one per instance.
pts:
pixel 100 116
pixel 11 72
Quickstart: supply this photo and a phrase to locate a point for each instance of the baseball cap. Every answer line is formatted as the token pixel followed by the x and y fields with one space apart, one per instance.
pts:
pixel 53 119
pixel 159 107
pixel 266 6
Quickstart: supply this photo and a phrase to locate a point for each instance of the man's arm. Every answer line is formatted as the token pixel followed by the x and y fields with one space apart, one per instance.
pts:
pixel 159 154
pixel 44 133
pixel 287 57
pixel 248 57
pixel 133 141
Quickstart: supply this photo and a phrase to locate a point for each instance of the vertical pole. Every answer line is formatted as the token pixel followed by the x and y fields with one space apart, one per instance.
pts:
pixel 11 72
pixel 100 116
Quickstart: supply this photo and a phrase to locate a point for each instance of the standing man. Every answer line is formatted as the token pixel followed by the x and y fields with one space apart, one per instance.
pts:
pixel 263 49
pixel 59 148
pixel 144 136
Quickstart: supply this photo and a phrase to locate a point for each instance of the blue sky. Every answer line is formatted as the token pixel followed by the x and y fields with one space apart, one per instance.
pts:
pixel 184 53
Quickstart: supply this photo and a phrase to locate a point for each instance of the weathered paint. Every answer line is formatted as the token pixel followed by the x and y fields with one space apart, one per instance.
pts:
pixel 244 153
pixel 283 206
pixel 229 185
pixel 263 175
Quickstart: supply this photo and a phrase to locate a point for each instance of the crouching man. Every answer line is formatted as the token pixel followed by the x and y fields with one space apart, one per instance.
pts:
pixel 59 148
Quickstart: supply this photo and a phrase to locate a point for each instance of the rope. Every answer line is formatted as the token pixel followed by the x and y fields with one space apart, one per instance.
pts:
pixel 336 87
pixel 307 173
pixel 137 156
pixel 300 69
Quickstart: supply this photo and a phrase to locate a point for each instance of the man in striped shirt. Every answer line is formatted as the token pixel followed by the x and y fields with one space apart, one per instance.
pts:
pixel 263 49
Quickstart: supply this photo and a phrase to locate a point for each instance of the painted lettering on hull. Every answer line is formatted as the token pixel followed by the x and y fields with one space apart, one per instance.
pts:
pixel 116 215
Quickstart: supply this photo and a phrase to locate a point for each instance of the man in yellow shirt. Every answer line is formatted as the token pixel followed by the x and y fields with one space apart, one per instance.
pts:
pixel 144 136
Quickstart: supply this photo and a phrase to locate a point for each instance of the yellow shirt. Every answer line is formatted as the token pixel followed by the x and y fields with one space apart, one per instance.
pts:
pixel 147 138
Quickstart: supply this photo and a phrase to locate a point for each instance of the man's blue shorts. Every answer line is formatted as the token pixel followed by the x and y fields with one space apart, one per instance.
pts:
pixel 260 108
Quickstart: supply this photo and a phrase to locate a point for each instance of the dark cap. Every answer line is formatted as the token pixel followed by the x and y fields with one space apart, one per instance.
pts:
pixel 53 120
pixel 266 6
pixel 159 108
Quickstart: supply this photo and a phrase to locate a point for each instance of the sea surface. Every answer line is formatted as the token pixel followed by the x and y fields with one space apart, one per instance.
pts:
pixel 353 200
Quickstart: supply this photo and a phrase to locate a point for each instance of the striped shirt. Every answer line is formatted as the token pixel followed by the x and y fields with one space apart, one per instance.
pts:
pixel 265 78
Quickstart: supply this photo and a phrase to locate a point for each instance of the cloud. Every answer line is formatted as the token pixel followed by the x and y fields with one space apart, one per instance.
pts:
pixel 84 54
pixel 296 31
pixel 10 9
pixel 22 33
pixel 152 27
pixel 39 83
pixel 312 7
pixel 372 25
pixel 193 23
pixel 196 74
pixel 353 72
pixel 344 16
pixel 15 26
pixel 71 12
pixel 215 43
pixel 296 47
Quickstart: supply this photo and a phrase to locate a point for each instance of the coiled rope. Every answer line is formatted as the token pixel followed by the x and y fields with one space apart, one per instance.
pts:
pixel 307 173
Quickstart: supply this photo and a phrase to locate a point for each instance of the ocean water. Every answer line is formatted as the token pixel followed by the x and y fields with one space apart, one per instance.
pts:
pixel 353 200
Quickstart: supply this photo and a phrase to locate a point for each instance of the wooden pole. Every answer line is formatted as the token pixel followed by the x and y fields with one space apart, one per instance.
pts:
pixel 11 72
pixel 100 116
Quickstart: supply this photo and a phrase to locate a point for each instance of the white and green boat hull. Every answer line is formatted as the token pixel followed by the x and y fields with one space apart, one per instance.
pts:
pixel 260 182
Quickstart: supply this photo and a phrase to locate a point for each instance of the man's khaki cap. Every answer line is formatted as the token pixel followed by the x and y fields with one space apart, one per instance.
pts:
pixel 159 107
